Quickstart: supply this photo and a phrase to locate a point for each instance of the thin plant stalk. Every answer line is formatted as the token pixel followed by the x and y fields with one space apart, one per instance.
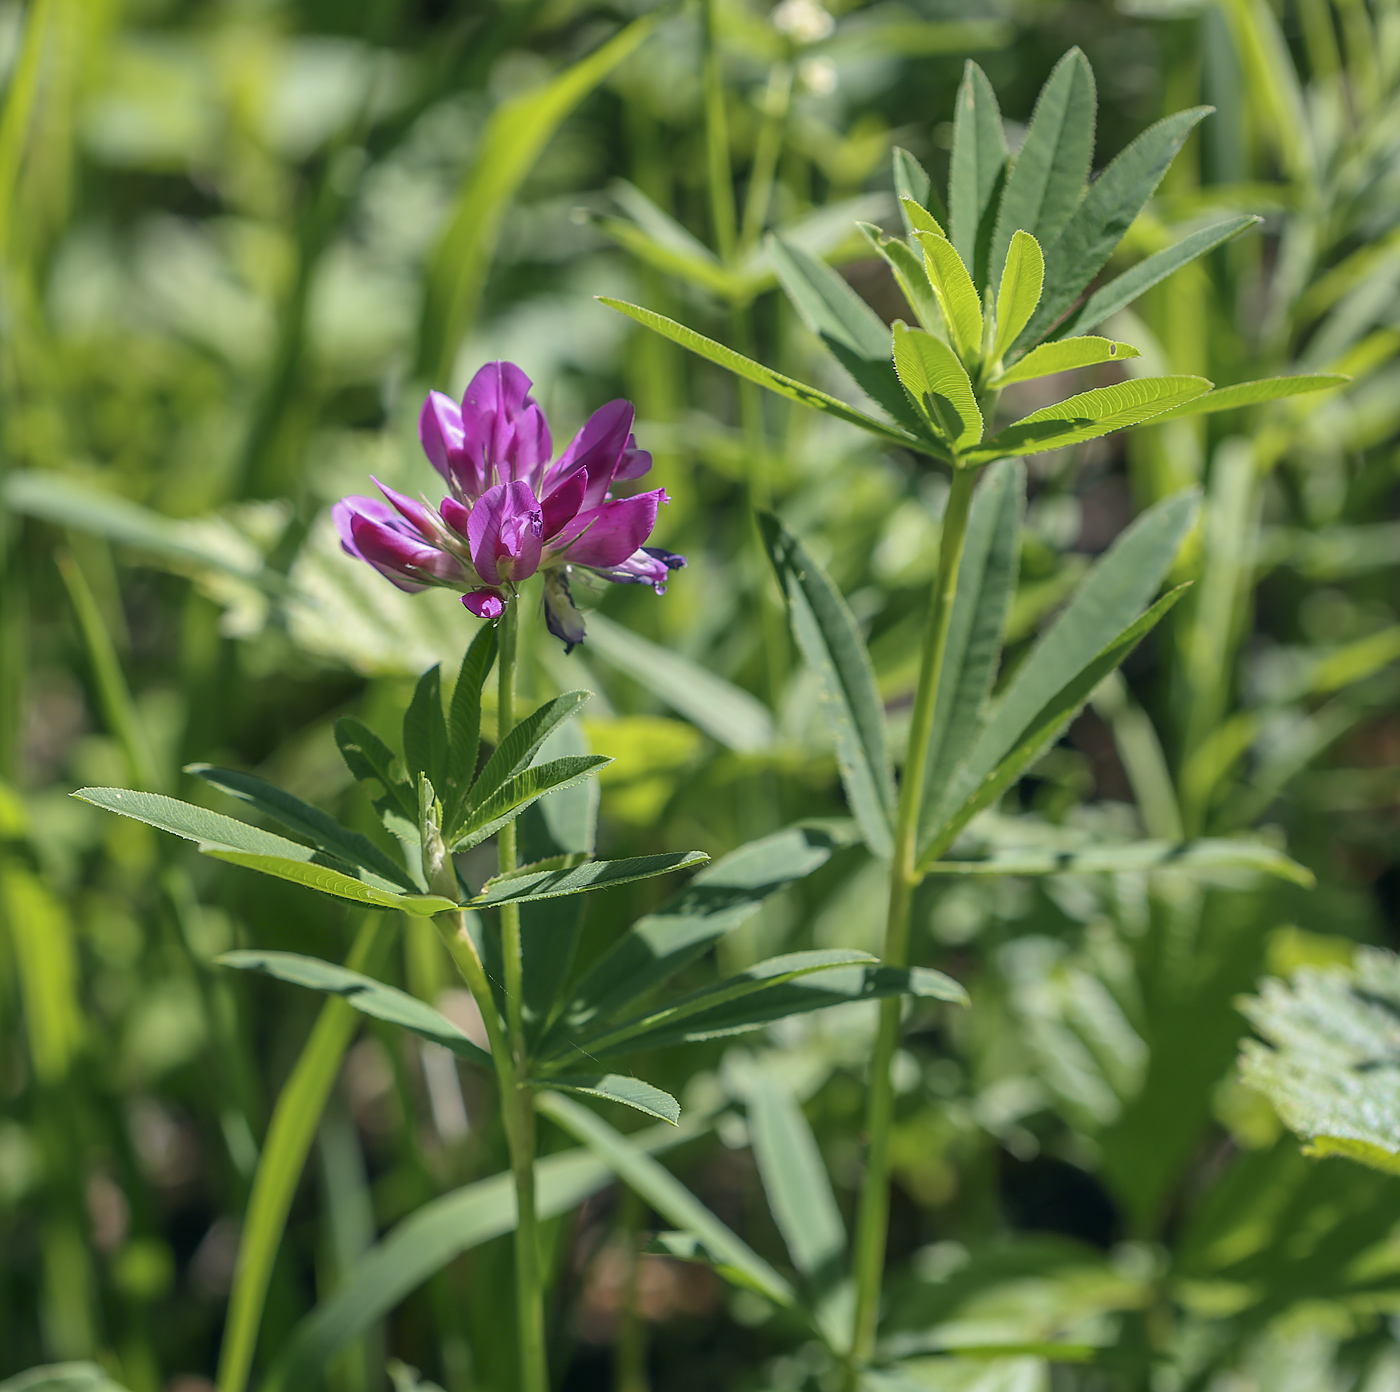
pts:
pixel 873 1220
pixel 508 1046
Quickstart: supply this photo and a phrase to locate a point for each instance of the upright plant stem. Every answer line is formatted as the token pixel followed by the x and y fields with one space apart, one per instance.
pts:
pixel 508 1051
pixel 873 1220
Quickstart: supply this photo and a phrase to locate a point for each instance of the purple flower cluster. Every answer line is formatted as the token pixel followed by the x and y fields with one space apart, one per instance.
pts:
pixel 510 512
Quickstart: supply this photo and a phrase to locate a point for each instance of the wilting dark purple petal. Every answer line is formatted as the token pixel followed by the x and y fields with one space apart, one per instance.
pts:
pixel 504 533
pixel 608 535
pixel 649 565
pixel 485 604
pixel 560 616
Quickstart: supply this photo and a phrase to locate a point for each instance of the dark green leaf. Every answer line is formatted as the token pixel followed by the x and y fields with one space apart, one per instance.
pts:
pixel 517 793
pixel 342 881
pixel 372 762
pixel 826 632
pixel 909 272
pixel 425 731
pixel 514 753
pixel 977 171
pixel 464 723
pixel 616 1087
pixel 531 883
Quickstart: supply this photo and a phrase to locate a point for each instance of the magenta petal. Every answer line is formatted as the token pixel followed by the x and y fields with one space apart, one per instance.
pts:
pixel 417 513
pixel 504 430
pixel 596 449
pixel 634 462
pixel 503 532
pixel 344 513
pixel 455 515
pixel 485 604
pixel 562 505
pixel 611 533
pixel 440 431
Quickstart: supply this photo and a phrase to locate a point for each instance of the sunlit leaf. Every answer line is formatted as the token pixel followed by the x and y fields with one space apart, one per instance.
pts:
pixel 1019 292
pixel 1253 393
pixel 1065 355
pixel 976 171
pixel 938 385
pixel 956 294
pixel 617 1087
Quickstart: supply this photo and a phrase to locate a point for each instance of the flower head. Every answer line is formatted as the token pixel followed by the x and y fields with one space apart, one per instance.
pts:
pixel 511 512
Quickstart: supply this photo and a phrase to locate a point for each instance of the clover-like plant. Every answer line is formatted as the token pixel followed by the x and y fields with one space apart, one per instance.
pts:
pixel 1001 286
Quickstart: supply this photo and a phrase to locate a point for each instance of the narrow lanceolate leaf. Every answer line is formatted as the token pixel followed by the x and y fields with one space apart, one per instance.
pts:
pixel 911 181
pixel 1047 179
pixel 852 332
pixel 1019 292
pixel 372 763
pixel 977 171
pixel 522 743
pixel 1254 393
pixel 1064 356
pixel 908 269
pixel 1120 585
pixel 362 887
pixel 666 1194
pixel 801 1199
pixel 517 793
pixel 919 218
pixel 957 296
pixel 772 381
pixel 1179 857
pixel 1101 221
pixel 529 884
pixel 305 820
pixel 721 898
pixel 1122 290
pixel 618 1087
pixel 826 631
pixel 1052 717
pixel 939 387
pixel 425 731
pixel 986 581
pixel 464 721
pixel 1090 415
pixel 368 996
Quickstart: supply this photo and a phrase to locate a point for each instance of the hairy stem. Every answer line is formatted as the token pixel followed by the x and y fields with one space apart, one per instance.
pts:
pixel 873 1221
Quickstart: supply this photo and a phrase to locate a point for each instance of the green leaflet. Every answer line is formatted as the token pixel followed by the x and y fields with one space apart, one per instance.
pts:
pixel 976 172
pixel 464 724
pixel 911 181
pixel 1112 595
pixel 1019 292
pixel 938 385
pixel 826 632
pixel 957 296
pixel 722 897
pixel 365 994
pixel 1064 356
pixel 666 1194
pixel 1253 393
pixel 1089 415
pixel 304 819
pixel 1181 857
pixel 1047 177
pixel 517 793
pixel 372 762
pixel 522 743
pixel 853 333
pixel 617 1087
pixel 909 271
pixel 329 880
pixel 986 581
pixel 1101 221
pixel 1047 722
pixel 919 218
pixel 529 884
pixel 425 731
pixel 772 381
pixel 1122 290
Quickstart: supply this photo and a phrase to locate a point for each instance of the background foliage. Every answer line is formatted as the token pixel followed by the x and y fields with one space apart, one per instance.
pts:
pixel 237 241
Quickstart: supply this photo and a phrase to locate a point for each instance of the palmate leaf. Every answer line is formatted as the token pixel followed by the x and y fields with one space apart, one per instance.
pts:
pixel 1255 393
pixel 1019 292
pixel 531 883
pixel 772 381
pixel 826 632
pixel 1122 290
pixel 1064 356
pixel 241 844
pixel 1328 1063
pixel 1102 220
pixel 517 793
pixel 618 1087
pixel 938 385
pixel 956 295
pixel 1090 415
pixel 1048 176
pixel 719 899
pixel 365 994
pixel 976 172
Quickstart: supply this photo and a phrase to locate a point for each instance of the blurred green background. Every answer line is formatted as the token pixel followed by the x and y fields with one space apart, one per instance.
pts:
pixel 239 240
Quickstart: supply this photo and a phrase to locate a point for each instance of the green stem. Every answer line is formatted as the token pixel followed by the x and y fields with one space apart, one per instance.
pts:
pixel 718 168
pixel 776 101
pixel 873 1220
pixel 508 1052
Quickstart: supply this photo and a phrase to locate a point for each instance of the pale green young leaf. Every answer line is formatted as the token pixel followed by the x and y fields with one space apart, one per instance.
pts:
pixel 464 721
pixel 908 270
pixel 1102 220
pixel 1048 176
pixel 1064 355
pixel 938 385
pixel 911 181
pixel 1122 290
pixel 517 793
pixel 300 817
pixel 918 219
pixel 977 170
pixel 957 296
pixel 365 994
pixel 618 1087
pixel 425 731
pixel 830 640
pixel 522 743
pixel 853 333
pixel 1090 415
pixel 1019 292
pixel 1255 393
pixel 528 884
pixel 364 888
pixel 772 381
